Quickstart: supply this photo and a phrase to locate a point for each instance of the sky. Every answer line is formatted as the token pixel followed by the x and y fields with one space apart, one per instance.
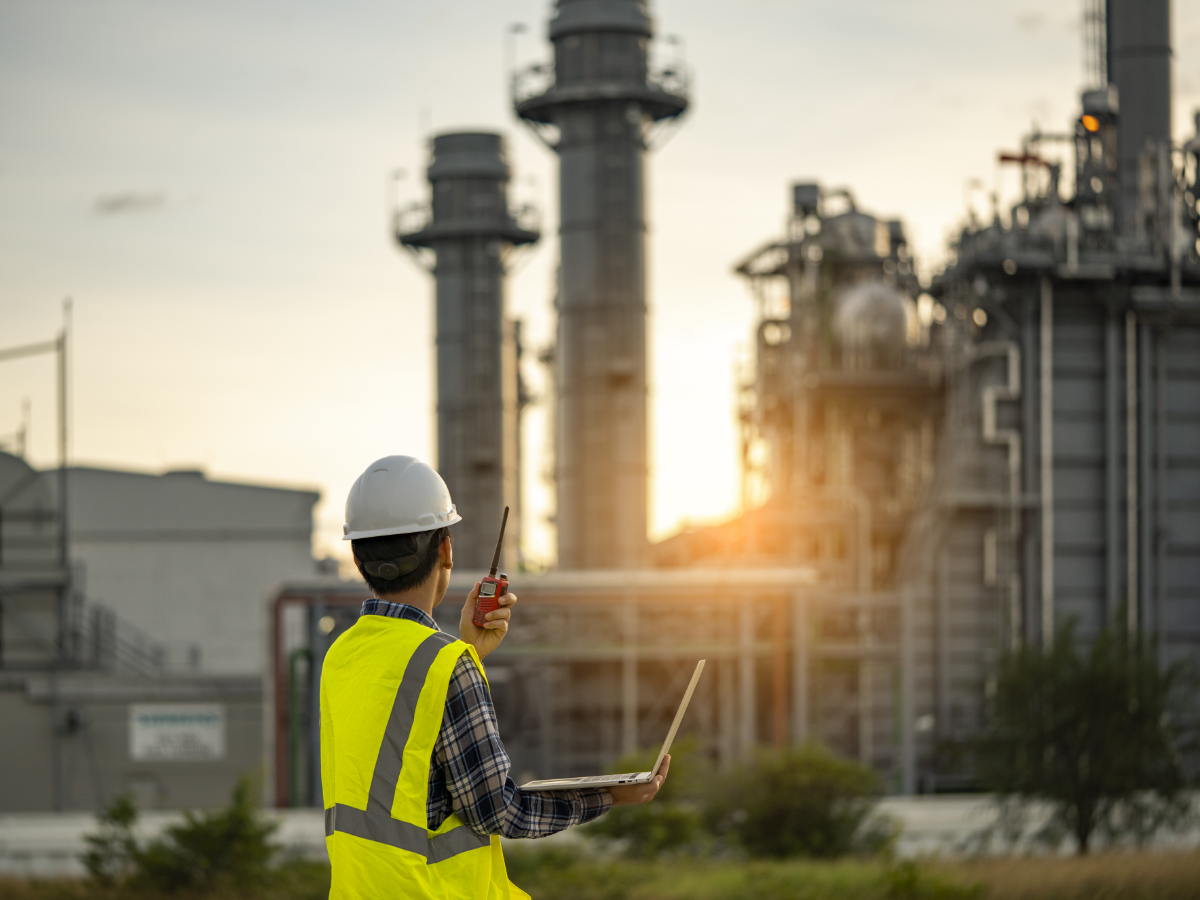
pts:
pixel 211 184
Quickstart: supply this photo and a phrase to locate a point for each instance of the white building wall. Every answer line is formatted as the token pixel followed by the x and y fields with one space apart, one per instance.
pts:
pixel 189 561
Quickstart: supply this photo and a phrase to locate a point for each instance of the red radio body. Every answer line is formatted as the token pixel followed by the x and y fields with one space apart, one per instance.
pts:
pixel 490 592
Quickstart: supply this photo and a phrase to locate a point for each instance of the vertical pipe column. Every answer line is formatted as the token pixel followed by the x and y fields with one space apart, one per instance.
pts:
pixel 1031 602
pixel 866 706
pixel 1047 460
pixel 1113 426
pixel 546 723
pixel 746 680
pixel 728 709
pixel 1147 488
pixel 908 743
pixel 1160 481
pixel 1131 475
pixel 779 717
pixel 942 640
pixel 800 676
pixel 319 643
pixel 629 677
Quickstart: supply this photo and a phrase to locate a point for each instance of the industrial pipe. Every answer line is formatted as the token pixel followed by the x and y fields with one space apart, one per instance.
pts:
pixel 1047 454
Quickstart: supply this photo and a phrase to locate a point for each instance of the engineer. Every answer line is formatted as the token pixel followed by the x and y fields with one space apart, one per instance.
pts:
pixel 414 775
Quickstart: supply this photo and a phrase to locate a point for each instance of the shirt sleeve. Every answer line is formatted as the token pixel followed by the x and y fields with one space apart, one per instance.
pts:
pixel 475 768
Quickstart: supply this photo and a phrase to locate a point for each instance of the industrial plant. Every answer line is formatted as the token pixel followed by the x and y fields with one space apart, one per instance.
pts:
pixel 934 471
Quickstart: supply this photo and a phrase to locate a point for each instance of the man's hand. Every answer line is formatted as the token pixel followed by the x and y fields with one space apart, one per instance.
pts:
pixel 487 638
pixel 627 794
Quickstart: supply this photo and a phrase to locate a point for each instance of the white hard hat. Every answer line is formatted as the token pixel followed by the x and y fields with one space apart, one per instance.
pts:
pixel 397 495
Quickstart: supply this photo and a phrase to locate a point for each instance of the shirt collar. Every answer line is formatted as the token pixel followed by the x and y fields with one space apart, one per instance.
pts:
pixel 377 607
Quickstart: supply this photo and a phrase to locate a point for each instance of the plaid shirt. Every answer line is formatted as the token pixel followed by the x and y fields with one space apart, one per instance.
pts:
pixel 469 771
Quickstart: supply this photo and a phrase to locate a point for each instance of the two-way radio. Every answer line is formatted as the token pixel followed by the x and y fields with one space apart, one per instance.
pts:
pixel 491 589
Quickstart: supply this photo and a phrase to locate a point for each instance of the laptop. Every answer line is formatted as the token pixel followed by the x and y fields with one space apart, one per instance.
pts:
pixel 568 784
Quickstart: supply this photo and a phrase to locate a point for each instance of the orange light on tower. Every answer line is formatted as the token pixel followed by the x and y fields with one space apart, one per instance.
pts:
pixel 1091 123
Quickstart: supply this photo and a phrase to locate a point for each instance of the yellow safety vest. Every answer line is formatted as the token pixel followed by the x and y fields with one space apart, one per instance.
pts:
pixel 383 693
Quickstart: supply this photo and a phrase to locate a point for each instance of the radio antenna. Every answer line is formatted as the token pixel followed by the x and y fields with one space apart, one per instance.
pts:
pixel 499 544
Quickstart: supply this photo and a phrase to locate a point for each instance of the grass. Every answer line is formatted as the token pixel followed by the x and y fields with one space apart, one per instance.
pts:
pixel 1105 876
pixel 555 874
pixel 294 880
pixel 552 875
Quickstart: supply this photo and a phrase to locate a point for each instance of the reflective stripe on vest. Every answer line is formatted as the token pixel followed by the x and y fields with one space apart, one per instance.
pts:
pixel 383 829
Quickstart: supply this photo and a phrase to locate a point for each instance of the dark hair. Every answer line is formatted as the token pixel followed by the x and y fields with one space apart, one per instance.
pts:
pixel 394 546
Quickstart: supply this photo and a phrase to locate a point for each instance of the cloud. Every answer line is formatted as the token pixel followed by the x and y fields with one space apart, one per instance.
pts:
pixel 124 202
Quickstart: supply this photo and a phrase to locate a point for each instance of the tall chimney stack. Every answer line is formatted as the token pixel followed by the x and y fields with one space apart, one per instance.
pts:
pixel 470 230
pixel 596 109
pixel 1139 64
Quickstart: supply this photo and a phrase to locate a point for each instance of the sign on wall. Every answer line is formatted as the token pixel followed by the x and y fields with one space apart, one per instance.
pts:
pixel 176 732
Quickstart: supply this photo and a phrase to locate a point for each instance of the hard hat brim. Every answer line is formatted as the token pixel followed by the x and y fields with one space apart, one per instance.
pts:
pixel 403 529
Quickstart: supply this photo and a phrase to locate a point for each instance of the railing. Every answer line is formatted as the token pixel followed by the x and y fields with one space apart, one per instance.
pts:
pixel 672 80
pixel 100 639
pixel 528 218
pixel 540 79
pixel 412 218
pixel 416 217
pixel 532 82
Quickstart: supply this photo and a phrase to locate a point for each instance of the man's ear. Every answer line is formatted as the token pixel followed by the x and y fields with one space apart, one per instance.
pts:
pixel 446 552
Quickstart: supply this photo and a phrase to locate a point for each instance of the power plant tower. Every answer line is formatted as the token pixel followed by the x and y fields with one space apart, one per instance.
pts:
pixel 597 107
pixel 1138 45
pixel 470 230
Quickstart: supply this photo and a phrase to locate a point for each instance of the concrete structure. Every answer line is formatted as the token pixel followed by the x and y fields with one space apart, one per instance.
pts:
pixel 187 561
pixel 847 400
pixel 939 488
pixel 137 667
pixel 1027 459
pixel 68 744
pixel 471 232
pixel 596 107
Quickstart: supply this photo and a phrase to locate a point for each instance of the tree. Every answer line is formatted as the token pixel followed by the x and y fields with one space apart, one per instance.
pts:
pixel 1102 735
pixel 798 802
pixel 225 848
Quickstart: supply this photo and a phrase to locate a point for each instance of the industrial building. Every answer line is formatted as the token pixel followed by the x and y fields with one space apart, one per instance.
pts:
pixel 132 642
pixel 950 470
pixel 934 472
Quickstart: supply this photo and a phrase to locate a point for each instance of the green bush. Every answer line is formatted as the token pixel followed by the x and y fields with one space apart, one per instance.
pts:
pixel 113 851
pixel 226 847
pixel 672 820
pixel 551 873
pixel 1102 734
pixel 798 802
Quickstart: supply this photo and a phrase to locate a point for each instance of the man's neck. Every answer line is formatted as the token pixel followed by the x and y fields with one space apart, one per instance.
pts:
pixel 421 598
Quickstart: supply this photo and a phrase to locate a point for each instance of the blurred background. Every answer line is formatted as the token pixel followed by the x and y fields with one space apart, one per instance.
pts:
pixel 852 346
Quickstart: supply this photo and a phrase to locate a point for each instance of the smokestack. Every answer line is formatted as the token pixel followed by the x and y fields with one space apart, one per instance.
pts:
pixel 1139 64
pixel 470 230
pixel 596 114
